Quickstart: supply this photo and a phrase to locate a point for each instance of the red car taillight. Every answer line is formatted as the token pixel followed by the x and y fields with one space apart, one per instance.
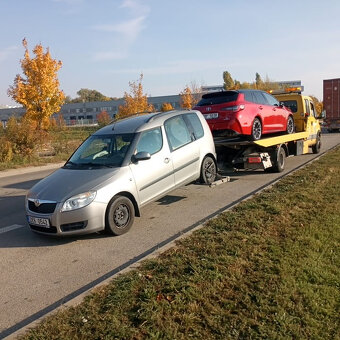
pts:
pixel 235 108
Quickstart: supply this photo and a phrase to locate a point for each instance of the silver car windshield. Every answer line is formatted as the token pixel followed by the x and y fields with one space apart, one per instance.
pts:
pixel 101 151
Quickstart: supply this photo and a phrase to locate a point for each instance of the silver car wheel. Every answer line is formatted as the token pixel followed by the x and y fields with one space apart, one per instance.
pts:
pixel 208 170
pixel 290 125
pixel 256 129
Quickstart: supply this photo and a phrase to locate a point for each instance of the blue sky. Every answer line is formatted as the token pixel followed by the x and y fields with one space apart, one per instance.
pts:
pixel 104 44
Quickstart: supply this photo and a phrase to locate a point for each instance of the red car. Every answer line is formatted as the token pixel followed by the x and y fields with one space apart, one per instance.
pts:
pixel 250 113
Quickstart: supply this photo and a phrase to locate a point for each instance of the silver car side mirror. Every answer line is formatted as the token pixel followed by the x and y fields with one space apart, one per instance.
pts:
pixel 141 156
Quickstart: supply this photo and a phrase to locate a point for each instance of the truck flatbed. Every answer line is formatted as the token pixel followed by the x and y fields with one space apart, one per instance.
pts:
pixel 264 142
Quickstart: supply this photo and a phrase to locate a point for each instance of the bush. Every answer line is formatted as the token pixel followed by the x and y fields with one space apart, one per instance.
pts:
pixel 22 135
pixel 103 118
pixel 6 150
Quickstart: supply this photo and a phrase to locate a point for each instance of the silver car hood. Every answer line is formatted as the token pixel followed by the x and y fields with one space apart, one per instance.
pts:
pixel 65 183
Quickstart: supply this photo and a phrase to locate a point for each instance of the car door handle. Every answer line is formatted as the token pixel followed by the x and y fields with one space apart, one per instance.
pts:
pixel 261 107
pixel 166 160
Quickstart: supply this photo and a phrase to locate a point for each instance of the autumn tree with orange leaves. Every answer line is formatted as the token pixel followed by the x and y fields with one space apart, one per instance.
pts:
pixel 187 100
pixel 38 91
pixel 166 107
pixel 135 101
pixel 103 118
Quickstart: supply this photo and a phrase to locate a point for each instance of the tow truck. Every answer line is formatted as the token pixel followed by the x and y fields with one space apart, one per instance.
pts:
pixel 270 153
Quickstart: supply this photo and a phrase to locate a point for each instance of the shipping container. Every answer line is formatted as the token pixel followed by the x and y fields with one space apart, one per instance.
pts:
pixel 331 104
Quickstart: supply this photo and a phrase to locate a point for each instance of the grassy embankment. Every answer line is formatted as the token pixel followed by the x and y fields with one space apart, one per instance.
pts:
pixel 57 146
pixel 267 269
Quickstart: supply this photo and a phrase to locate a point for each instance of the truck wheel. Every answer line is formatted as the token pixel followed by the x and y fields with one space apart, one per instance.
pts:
pixel 290 125
pixel 279 160
pixel 256 129
pixel 120 215
pixel 317 146
pixel 208 170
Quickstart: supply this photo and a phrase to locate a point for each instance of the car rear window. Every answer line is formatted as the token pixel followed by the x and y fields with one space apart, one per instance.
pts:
pixel 194 124
pixel 291 104
pixel 218 98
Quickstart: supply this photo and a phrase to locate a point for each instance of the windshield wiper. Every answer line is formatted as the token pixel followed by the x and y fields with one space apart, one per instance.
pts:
pixel 71 163
pixel 95 165
pixel 88 164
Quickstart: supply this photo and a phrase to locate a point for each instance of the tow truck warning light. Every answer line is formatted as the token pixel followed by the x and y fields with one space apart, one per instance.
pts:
pixel 294 89
pixel 298 89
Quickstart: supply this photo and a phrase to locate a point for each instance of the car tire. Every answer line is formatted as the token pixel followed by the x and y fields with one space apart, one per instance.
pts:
pixel 279 160
pixel 290 125
pixel 256 130
pixel 317 146
pixel 120 215
pixel 208 170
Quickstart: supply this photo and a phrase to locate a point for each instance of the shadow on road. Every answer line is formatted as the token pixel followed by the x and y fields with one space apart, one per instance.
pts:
pixel 168 199
pixel 25 238
pixel 22 185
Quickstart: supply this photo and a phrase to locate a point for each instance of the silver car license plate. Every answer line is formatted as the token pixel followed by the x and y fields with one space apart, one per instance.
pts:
pixel 41 222
pixel 211 115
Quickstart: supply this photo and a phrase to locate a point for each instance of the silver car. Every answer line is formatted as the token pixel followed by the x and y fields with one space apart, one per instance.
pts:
pixel 119 169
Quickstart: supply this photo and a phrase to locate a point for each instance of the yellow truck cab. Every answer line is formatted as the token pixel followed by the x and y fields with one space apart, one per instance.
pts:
pixel 305 116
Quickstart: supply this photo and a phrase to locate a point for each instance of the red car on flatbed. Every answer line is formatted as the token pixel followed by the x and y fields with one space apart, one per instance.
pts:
pixel 250 113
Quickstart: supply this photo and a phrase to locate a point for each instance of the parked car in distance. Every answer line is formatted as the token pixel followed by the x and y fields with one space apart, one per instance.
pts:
pixel 250 113
pixel 119 169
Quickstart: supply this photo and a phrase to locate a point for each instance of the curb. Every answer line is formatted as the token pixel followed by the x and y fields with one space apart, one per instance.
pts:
pixel 30 169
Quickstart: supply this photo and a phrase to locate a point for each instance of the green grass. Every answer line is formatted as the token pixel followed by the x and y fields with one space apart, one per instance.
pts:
pixel 267 269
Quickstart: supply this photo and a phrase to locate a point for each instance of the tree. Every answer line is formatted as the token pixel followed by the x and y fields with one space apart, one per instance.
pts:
pixel 103 118
pixel 68 100
pixel 246 85
pixel 257 84
pixel 38 91
pixel 166 107
pixel 237 85
pixel 58 123
pixel 187 99
pixel 135 101
pixel 318 105
pixel 87 95
pixel 228 81
pixel 258 81
pixel 196 91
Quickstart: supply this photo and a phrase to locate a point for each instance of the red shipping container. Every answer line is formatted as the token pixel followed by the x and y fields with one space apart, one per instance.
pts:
pixel 331 103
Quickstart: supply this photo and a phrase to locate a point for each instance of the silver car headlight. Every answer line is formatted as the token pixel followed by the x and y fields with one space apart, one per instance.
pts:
pixel 79 201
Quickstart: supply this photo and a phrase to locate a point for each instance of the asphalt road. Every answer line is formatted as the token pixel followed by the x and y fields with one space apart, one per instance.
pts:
pixel 38 273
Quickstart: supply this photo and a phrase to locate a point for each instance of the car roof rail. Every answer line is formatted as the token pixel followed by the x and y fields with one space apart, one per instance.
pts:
pixel 115 120
pixel 165 113
pixel 159 114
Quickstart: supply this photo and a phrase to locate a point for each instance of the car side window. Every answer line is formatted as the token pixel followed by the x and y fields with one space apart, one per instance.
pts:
pixel 194 125
pixel 259 99
pixel 271 100
pixel 177 132
pixel 150 141
pixel 307 106
pixel 312 110
pixel 248 96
